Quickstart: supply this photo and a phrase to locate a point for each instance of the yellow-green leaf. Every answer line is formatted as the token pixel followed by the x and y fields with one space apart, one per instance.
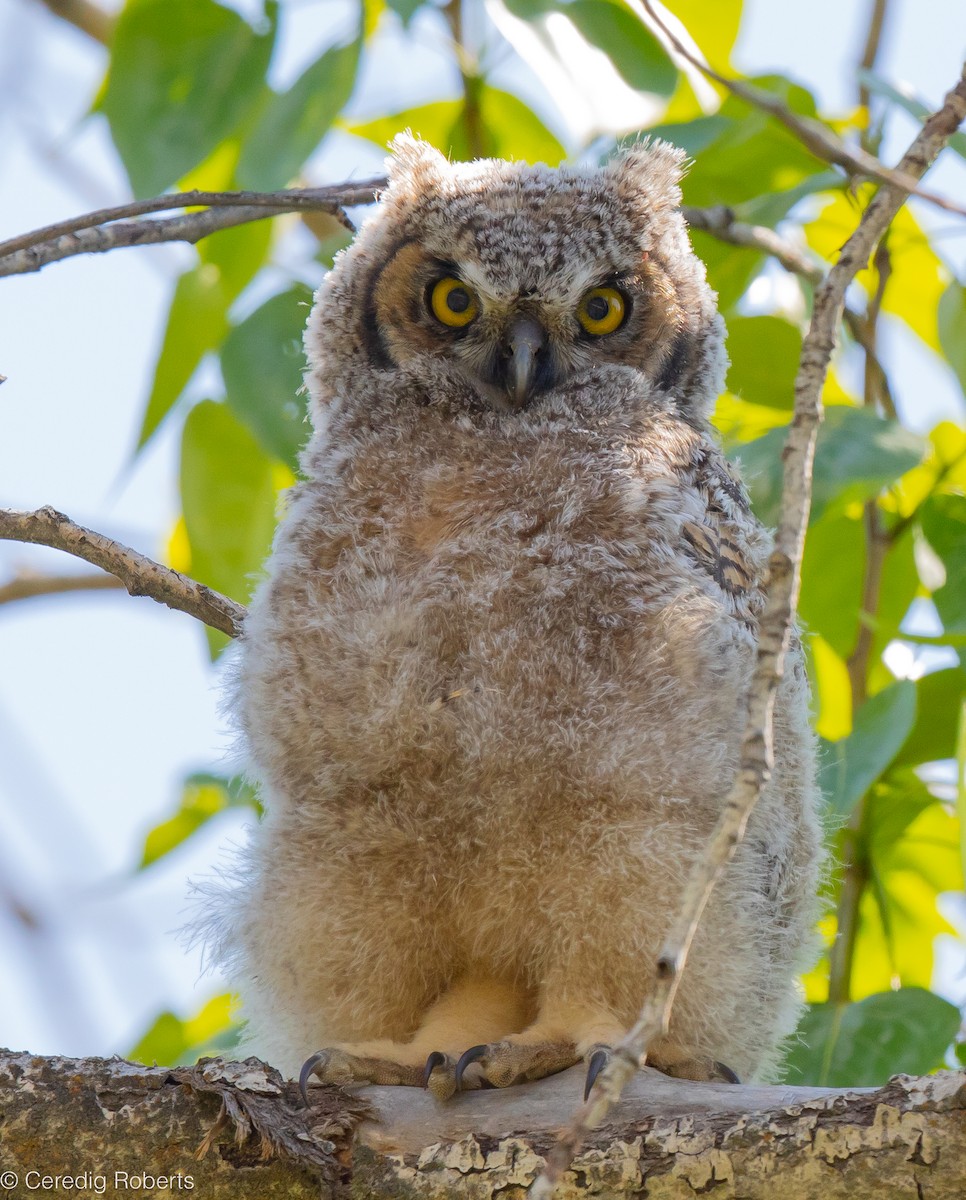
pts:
pixel 511 129
pixel 173 1041
pixel 203 797
pixel 917 277
pixel 899 919
pixel 228 498
pixel 833 693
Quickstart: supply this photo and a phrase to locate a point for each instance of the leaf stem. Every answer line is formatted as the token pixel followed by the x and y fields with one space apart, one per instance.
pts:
pixel 470 76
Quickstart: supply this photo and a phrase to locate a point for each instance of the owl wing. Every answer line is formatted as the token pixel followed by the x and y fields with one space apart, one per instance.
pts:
pixel 727 543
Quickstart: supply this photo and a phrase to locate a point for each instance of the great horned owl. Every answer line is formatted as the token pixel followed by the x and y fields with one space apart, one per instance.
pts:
pixel 493 684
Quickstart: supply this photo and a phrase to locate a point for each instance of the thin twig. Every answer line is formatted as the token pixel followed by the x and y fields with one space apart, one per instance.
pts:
pixel 870 52
pixel 855 861
pixel 776 622
pixel 316 199
pixel 470 78
pixel 141 575
pixel 26 586
pixel 88 234
pixel 815 136
pixel 720 222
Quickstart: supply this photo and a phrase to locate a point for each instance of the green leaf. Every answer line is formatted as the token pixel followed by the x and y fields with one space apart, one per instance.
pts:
pixel 183 75
pixel 879 729
pixel 197 319
pixel 857 454
pixel 713 26
pixel 944 524
pixel 952 329
pixel 895 802
pixel 228 499
pixel 863 1044
pixel 516 130
pixel 693 136
pixel 636 54
pixel 764 353
pixel 933 736
pixel 510 129
pixel 262 361
pixel 171 1041
pixel 832 574
pixel 237 254
pixel 291 125
pixel 752 155
pixel 202 797
pixel 899 917
pixel 197 323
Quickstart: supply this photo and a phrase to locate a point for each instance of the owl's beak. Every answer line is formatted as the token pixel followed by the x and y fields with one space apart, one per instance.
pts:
pixel 524 342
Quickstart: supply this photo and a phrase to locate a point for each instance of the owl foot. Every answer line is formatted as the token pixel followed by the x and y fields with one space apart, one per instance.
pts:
pixel 698 1068
pixel 499 1064
pixel 340 1067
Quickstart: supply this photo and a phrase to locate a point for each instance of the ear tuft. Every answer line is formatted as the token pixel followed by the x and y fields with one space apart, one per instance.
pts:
pixel 414 161
pixel 650 172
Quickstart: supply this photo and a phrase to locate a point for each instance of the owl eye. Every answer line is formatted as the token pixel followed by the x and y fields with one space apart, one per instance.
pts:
pixel 452 302
pixel 602 310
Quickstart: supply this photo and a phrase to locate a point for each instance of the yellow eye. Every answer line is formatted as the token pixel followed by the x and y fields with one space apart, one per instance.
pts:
pixel 602 311
pixel 452 302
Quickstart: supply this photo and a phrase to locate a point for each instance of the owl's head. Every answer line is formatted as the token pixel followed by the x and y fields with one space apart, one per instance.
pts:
pixel 496 286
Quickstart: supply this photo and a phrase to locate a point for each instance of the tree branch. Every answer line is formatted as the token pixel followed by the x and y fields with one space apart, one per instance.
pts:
pixel 238 1131
pixel 320 199
pixel 775 630
pixel 815 136
pixel 141 575
pixel 103 230
pixel 26 585
pixel 720 222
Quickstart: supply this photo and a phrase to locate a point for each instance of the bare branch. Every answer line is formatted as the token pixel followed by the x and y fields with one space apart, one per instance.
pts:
pixel 26 585
pixel 87 17
pixel 870 52
pixel 720 222
pixel 141 575
pixel 100 231
pixel 320 199
pixel 815 136
pixel 775 631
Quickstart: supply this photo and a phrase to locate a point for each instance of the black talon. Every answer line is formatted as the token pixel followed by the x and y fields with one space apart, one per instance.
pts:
pixel 726 1072
pixel 308 1068
pixel 598 1060
pixel 435 1060
pixel 467 1057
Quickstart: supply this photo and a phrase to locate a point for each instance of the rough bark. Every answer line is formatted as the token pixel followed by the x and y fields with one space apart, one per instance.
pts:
pixel 238 1130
